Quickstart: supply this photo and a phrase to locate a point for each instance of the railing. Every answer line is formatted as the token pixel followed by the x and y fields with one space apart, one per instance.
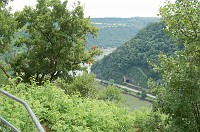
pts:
pixel 31 114
pixel 7 126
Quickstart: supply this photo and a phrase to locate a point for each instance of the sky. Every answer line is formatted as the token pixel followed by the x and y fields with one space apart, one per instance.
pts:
pixel 109 8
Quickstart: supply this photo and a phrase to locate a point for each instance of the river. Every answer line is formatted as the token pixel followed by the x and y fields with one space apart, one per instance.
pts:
pixel 135 103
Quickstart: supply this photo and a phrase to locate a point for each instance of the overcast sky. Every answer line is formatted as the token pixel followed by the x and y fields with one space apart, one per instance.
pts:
pixel 110 8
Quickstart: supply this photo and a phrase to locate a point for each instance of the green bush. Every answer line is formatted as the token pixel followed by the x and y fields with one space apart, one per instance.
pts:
pixel 3 78
pixel 85 85
pixel 111 93
pixel 146 120
pixel 60 112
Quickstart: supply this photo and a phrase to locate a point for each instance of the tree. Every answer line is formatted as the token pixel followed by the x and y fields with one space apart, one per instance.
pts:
pixel 178 93
pixel 56 40
pixel 146 120
pixel 7 27
pixel 86 85
pixel 182 20
pixel 7 30
pixel 112 93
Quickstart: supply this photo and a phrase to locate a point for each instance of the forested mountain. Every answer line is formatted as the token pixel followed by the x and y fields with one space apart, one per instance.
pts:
pixel 131 60
pixel 115 31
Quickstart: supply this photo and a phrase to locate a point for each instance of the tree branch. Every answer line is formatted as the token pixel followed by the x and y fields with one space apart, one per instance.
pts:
pixel 4 71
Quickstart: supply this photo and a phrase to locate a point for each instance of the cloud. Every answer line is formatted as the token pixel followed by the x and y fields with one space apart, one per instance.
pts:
pixel 109 8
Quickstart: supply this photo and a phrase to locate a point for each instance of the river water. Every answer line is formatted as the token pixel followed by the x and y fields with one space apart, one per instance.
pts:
pixel 135 103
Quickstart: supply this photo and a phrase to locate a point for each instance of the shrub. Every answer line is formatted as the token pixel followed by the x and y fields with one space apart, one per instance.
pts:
pixel 60 112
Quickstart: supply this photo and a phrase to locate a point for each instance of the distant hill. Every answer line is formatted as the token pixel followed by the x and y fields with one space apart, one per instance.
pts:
pixel 115 31
pixel 130 60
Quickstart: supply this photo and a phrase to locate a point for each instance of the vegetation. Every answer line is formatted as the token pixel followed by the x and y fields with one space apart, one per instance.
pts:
pixel 111 93
pixel 115 31
pixel 7 30
pixel 55 41
pixel 178 92
pixel 132 59
pixel 60 112
pixel 85 85
pixel 3 78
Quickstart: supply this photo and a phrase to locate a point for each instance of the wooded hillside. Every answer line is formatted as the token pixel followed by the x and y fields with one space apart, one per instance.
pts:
pixel 132 59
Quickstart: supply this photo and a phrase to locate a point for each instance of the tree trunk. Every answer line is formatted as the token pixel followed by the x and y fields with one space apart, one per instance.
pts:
pixel 196 114
pixel 52 76
pixel 41 79
pixel 4 71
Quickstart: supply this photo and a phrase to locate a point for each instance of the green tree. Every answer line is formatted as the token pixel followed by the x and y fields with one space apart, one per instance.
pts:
pixel 7 30
pixel 86 85
pixel 111 93
pixel 55 42
pixel 145 120
pixel 178 93
pixel 182 20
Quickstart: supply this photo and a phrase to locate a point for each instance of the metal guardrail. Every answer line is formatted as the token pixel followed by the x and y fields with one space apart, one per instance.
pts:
pixel 7 126
pixel 32 115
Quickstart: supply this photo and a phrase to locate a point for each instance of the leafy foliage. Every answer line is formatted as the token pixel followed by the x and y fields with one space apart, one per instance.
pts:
pixel 182 19
pixel 3 78
pixel 111 93
pixel 55 42
pixel 178 93
pixel 60 112
pixel 85 85
pixel 148 121
pixel 132 59
pixel 7 29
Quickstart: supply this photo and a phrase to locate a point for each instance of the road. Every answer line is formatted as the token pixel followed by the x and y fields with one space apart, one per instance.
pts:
pixel 127 88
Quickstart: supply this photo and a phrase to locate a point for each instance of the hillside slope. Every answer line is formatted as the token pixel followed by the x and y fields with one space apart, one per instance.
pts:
pixel 115 31
pixel 131 59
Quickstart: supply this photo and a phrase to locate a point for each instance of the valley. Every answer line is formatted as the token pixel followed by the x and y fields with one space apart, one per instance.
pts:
pixel 146 80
